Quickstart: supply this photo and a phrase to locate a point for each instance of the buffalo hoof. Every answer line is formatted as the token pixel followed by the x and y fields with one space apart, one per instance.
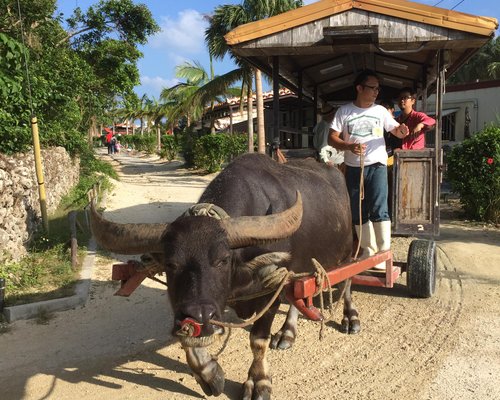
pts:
pixel 211 379
pixel 350 326
pixel 282 340
pixel 260 390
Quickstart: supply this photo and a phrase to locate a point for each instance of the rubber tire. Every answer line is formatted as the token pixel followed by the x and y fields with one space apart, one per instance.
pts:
pixel 421 268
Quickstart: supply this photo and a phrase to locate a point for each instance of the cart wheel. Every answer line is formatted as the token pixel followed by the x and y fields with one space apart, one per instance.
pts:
pixel 421 268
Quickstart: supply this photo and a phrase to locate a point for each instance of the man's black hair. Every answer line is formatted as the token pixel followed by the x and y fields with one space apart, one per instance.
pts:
pixel 363 76
pixel 410 90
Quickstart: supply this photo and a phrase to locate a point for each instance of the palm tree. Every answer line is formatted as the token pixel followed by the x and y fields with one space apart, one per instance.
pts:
pixel 200 90
pixel 484 65
pixel 228 17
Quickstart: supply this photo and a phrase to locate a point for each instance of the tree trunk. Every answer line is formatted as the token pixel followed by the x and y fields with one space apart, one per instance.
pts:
pixel 230 120
pixel 261 134
pixel 92 131
pixel 250 119
pixel 212 118
pixel 158 137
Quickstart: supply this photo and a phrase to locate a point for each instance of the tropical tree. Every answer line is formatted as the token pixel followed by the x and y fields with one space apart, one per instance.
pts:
pixel 484 65
pixel 190 98
pixel 227 17
pixel 75 76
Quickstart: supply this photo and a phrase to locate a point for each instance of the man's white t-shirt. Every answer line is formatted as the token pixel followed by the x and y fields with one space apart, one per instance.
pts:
pixel 366 126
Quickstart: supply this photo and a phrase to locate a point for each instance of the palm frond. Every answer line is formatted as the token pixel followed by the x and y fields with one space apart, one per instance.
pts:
pixel 217 87
pixel 193 72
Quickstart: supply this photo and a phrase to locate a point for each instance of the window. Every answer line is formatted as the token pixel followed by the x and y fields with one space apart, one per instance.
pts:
pixel 448 128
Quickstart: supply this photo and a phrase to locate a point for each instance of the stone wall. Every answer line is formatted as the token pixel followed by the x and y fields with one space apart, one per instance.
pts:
pixel 19 198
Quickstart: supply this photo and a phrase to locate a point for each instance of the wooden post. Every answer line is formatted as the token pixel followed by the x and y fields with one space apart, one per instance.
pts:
pixel 300 97
pixel 276 99
pixel 261 134
pixel 39 172
pixel 74 243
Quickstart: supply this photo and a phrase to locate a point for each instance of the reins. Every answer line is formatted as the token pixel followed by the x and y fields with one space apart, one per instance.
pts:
pixel 361 198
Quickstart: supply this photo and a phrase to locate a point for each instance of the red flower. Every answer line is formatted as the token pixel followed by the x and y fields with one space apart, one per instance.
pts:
pixel 489 161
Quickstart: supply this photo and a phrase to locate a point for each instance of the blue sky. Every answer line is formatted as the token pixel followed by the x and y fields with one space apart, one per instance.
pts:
pixel 182 34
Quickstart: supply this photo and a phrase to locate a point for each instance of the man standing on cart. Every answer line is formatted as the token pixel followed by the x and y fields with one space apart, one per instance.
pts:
pixel 358 129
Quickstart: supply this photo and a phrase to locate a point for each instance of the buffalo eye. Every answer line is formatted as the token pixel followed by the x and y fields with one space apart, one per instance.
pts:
pixel 222 262
pixel 171 267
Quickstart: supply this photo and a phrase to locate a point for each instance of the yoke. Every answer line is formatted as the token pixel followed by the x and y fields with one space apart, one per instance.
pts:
pixel 299 292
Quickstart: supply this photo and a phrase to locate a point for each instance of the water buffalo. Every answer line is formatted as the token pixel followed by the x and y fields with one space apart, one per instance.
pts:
pixel 257 212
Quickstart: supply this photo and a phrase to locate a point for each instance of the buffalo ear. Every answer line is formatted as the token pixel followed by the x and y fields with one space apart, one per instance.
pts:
pixel 270 268
pixel 279 259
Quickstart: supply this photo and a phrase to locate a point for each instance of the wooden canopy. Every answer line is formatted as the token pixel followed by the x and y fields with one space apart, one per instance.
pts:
pixel 318 49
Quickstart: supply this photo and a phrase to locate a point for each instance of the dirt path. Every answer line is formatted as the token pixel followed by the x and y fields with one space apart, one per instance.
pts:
pixel 445 347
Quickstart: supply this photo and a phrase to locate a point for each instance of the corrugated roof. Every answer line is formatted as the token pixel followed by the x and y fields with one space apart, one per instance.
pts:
pixel 408 10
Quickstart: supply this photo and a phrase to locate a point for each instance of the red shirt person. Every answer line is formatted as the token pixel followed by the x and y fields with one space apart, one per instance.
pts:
pixel 417 122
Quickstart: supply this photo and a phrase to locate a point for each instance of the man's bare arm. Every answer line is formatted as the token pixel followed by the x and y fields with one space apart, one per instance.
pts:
pixel 334 140
pixel 401 131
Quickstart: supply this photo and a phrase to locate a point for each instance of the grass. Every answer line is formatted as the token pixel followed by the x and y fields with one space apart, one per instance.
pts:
pixel 45 272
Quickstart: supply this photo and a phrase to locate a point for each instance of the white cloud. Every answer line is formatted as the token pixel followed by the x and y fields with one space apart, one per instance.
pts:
pixel 185 34
pixel 154 85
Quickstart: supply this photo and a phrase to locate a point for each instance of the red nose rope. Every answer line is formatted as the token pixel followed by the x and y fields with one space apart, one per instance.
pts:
pixel 190 328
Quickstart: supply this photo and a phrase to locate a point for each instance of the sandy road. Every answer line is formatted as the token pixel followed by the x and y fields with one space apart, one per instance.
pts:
pixel 445 347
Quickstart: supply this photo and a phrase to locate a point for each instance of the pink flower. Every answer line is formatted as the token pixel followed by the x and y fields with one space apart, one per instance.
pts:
pixel 489 161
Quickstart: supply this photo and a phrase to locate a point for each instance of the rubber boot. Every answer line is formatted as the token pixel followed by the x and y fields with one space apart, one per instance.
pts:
pixel 383 238
pixel 368 243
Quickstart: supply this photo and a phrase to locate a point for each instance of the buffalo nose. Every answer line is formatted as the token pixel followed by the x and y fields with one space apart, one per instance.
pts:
pixel 199 312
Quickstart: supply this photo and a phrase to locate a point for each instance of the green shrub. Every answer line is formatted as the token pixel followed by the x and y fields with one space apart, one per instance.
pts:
pixel 474 174
pixel 146 143
pixel 170 147
pixel 187 140
pixel 212 151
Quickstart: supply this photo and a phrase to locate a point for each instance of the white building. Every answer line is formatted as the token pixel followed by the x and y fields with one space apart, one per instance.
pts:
pixel 467 109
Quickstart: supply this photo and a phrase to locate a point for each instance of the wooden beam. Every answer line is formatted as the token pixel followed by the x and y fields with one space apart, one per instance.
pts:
pixel 276 99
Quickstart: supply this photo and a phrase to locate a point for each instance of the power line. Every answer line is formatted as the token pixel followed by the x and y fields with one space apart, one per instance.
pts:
pixel 439 2
pixel 460 2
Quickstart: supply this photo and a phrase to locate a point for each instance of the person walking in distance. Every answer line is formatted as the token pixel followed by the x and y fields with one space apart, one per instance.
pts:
pixel 361 125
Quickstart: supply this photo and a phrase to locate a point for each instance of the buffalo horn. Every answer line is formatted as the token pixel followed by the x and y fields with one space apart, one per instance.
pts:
pixel 126 238
pixel 254 230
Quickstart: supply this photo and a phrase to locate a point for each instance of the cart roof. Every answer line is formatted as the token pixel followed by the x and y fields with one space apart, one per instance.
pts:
pixel 323 45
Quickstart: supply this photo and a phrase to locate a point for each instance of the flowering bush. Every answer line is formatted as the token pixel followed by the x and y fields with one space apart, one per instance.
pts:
pixel 474 173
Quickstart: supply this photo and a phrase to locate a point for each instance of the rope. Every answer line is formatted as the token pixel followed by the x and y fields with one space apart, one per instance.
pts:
pixel 361 198
pixel 321 276
pixel 206 209
pixel 250 321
